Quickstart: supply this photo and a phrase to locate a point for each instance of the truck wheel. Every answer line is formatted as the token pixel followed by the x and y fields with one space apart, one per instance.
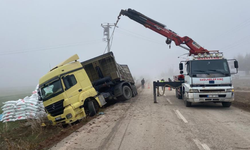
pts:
pixel 187 104
pixel 226 104
pixel 126 93
pixel 179 93
pixel 91 108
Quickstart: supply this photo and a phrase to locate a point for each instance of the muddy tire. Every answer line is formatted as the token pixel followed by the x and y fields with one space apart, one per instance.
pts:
pixel 226 104
pixel 91 108
pixel 126 93
pixel 65 125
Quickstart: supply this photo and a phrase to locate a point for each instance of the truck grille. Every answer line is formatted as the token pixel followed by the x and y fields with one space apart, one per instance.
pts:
pixel 56 108
pixel 213 91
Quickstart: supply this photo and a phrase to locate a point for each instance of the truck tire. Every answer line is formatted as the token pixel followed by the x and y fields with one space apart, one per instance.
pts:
pixel 187 104
pixel 226 104
pixel 126 93
pixel 179 93
pixel 91 108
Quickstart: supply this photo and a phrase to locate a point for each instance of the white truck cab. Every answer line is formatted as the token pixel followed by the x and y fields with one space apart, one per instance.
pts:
pixel 207 78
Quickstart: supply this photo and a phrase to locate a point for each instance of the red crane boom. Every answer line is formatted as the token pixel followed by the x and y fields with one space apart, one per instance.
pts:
pixel 194 48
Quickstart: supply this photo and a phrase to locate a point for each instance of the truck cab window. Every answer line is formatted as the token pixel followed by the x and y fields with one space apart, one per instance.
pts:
pixel 51 89
pixel 69 81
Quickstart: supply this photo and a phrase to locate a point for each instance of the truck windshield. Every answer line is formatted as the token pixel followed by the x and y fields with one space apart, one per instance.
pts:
pixel 51 89
pixel 212 68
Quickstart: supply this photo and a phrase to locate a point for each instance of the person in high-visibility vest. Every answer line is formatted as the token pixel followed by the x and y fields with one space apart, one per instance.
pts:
pixel 162 80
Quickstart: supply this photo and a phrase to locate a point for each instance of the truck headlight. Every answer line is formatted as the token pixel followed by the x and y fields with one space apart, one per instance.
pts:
pixel 68 116
pixel 193 91
pixel 229 90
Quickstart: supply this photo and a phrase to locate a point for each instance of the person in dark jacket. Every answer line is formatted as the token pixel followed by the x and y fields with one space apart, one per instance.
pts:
pixel 142 83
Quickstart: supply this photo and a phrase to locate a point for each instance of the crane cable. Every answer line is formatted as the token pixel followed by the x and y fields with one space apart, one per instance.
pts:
pixel 111 40
pixel 112 35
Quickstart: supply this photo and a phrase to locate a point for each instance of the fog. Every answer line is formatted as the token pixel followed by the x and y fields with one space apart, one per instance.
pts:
pixel 37 35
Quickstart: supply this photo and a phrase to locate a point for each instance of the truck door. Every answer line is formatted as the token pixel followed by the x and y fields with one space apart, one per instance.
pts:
pixel 72 88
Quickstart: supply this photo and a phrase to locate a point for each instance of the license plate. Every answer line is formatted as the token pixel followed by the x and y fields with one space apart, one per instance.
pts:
pixel 212 95
pixel 58 118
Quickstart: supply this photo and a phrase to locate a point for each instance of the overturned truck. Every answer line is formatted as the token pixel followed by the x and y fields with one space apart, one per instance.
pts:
pixel 72 90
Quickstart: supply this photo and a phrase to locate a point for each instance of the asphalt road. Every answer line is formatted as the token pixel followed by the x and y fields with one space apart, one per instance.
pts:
pixel 140 124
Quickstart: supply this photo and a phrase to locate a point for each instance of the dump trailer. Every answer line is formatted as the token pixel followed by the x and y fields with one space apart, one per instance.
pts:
pixel 110 79
pixel 72 90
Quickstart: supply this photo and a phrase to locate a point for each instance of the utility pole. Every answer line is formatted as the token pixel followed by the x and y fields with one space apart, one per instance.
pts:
pixel 106 33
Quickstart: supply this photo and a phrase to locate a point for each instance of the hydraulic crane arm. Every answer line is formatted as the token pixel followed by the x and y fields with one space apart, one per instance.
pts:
pixel 194 48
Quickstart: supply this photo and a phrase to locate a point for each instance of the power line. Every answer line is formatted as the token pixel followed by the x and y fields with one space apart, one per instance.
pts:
pixel 236 43
pixel 47 48
pixel 235 28
pixel 141 37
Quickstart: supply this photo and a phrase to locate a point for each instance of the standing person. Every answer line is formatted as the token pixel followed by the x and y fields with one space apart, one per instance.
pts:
pixel 162 80
pixel 142 83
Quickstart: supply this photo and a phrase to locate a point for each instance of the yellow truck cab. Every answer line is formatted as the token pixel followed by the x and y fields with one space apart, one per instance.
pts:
pixel 72 90
pixel 67 93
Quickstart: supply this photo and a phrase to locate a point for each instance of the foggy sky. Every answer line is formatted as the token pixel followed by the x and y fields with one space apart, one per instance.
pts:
pixel 37 35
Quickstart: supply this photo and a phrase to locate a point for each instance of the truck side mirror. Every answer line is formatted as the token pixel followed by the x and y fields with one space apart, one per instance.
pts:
pixel 236 64
pixel 180 66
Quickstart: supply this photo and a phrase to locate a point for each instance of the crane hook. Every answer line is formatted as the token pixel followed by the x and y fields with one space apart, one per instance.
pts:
pixel 168 41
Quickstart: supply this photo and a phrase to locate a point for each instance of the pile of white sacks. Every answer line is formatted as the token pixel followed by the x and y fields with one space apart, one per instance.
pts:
pixel 26 108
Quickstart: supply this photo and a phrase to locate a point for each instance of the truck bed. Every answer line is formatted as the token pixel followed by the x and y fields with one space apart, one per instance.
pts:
pixel 105 66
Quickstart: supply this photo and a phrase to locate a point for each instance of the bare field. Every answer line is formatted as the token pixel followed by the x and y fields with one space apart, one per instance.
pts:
pixel 14 93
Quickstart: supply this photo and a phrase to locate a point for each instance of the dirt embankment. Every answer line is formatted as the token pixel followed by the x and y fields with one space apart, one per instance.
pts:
pixel 242 94
pixel 242 100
